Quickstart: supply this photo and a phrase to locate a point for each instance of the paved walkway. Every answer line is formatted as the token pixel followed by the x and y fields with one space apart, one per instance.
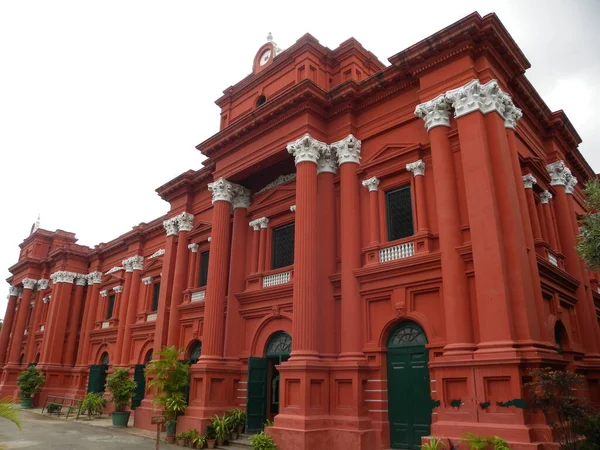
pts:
pixel 50 432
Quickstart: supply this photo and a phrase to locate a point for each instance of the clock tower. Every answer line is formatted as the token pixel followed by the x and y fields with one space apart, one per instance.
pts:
pixel 264 56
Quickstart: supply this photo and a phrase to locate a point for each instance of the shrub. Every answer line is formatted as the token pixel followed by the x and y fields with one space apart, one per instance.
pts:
pixel 121 387
pixel 476 442
pixel 590 429
pixel 29 381
pixel 433 444
pixel 93 404
pixel 262 441
pixel 210 432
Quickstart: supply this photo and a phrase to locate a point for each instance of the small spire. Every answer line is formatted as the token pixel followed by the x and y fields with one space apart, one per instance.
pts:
pixel 37 223
pixel 269 37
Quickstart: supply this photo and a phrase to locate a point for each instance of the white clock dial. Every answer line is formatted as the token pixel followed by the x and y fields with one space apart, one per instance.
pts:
pixel 265 57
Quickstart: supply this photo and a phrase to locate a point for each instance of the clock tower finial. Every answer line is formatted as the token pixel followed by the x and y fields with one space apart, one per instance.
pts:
pixel 269 37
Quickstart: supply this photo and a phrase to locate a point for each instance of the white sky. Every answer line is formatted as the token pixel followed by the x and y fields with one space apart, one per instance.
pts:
pixel 101 102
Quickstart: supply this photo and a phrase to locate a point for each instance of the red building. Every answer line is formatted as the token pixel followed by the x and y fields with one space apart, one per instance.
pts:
pixel 371 254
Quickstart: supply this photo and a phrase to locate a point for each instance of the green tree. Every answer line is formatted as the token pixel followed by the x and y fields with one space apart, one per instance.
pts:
pixel 588 242
pixel 121 387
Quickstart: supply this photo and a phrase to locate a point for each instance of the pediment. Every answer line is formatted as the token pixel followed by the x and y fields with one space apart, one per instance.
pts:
pixel 275 195
pixel 115 277
pixel 152 263
pixel 200 228
pixel 389 153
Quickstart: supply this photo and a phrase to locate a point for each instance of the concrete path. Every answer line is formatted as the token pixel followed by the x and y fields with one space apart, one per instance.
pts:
pixel 44 432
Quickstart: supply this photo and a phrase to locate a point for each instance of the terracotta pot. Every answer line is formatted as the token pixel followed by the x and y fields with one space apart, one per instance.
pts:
pixel 170 439
pixel 240 429
pixel 210 443
pixel 181 442
pixel 220 442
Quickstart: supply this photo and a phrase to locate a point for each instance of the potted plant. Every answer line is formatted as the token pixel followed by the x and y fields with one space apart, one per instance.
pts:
pixel 211 437
pixel 122 389
pixel 199 442
pixel 221 427
pixel 29 382
pixel 93 404
pixel 180 437
pixel 239 420
pixel 168 376
pixel 262 441
pixel 190 436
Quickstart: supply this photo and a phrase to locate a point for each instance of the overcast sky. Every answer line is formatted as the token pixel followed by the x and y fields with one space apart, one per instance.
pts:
pixel 101 102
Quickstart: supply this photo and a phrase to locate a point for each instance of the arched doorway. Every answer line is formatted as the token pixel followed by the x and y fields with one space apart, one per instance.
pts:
pixel 560 337
pixel 139 376
pixel 409 399
pixel 97 376
pixel 263 381
pixel 195 352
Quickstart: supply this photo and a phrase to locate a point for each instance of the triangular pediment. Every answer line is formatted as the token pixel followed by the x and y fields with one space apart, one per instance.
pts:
pixel 152 263
pixel 275 195
pixel 200 228
pixel 388 153
pixel 115 277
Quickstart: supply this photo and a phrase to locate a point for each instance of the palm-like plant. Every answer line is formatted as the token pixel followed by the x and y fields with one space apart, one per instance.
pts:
pixel 9 412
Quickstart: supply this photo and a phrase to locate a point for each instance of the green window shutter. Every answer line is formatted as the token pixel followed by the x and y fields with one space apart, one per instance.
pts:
pixel 256 401
pixel 282 253
pixel 155 295
pixel 204 268
pixel 399 213
pixel 111 306
pixel 140 379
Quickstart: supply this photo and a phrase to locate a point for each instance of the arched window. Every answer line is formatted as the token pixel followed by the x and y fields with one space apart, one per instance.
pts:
pixel 407 334
pixel 261 101
pixel 279 344
pixel 105 359
pixel 22 359
pixel 560 337
pixel 148 357
pixel 37 358
pixel 195 351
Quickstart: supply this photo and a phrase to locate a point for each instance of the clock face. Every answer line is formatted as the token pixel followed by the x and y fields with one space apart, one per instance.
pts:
pixel 265 57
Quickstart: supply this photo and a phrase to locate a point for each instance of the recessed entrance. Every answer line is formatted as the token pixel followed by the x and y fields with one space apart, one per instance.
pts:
pixel 97 377
pixel 263 382
pixel 409 400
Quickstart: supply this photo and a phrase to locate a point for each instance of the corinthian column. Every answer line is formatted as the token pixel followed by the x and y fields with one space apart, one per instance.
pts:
pixel 306 152
pixel 133 265
pixel 13 293
pixel 418 170
pixel 457 305
pixel 94 280
pixel 17 339
pixel 348 155
pixel 80 282
pixel 372 184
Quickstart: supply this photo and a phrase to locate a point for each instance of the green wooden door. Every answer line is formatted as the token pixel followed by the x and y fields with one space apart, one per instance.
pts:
pixel 97 378
pixel 409 400
pixel 256 401
pixel 140 379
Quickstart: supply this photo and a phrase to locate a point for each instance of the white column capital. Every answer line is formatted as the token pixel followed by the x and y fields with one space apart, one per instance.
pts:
pixel 185 221
pixel 417 168
pixel 222 190
pixel 262 222
pixel 63 276
pixel 81 279
pixel 94 277
pixel 560 174
pixel 327 162
pixel 528 181
pixel 347 150
pixel 46 299
pixel 570 184
pixel 104 293
pixel 14 291
pixel 42 284
pixel 29 283
pixel 193 247
pixel 132 263
pixel 545 197
pixel 118 289
pixel 293 208
pixel 435 112
pixel 170 226
pixel 241 197
pixel 209 239
pixel 147 280
pixel 306 148
pixel 372 184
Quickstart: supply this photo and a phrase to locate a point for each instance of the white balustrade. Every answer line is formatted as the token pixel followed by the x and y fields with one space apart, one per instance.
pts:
pixel 151 317
pixel 397 252
pixel 197 296
pixel 277 278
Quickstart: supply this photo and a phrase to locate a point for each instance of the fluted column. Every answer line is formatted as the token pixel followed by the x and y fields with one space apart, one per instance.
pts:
pixel 306 152
pixel 528 182
pixel 54 335
pixel 348 155
pixel 17 339
pixel 166 283
pixel 193 264
pixel 418 170
pixel 216 288
pixel 80 282
pixel 185 223
pixel 545 198
pixel 13 294
pixel 94 280
pixel 326 170
pixel 42 286
pixel 457 305
pixel 133 265
pixel 563 182
pixel 237 271
pixel 262 245
pixel 372 184
pixel 255 224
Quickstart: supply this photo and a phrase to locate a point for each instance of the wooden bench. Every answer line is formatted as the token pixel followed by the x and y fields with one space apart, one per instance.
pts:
pixel 55 404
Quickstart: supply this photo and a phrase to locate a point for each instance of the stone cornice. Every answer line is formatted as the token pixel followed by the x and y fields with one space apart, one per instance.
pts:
pixel 347 150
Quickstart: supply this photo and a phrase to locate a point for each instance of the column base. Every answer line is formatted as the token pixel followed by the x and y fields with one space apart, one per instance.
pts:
pixel 8 381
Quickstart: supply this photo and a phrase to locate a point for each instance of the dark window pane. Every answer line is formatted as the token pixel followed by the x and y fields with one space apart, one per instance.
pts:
pixel 283 246
pixel 399 213
pixel 111 306
pixel 155 294
pixel 203 268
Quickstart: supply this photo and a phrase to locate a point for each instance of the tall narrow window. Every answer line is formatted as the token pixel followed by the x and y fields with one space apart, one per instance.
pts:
pixel 111 306
pixel 283 246
pixel 203 268
pixel 399 213
pixel 155 294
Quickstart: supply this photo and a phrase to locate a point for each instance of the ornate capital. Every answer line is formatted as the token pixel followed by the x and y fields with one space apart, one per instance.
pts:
pixel 81 279
pixel 14 291
pixel 559 173
pixel 46 299
pixel 209 239
pixel 62 276
pixel 133 263
pixel 95 278
pixel 347 150
pixel 372 184
pixel 293 208
pixel 512 114
pixel 185 221
pixel 528 181
pixel 327 162
pixel 104 293
pixel 262 222
pixel 29 283
pixel 147 280
pixel 222 190
pixel 306 148
pixel 193 247
pixel 42 284
pixel 545 197
pixel 417 168
pixel 170 226
pixel 241 198
pixel 435 113
pixel 570 184
pixel 255 224
pixel 118 289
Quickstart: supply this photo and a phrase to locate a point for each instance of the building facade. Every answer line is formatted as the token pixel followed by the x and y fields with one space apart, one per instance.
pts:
pixel 371 254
